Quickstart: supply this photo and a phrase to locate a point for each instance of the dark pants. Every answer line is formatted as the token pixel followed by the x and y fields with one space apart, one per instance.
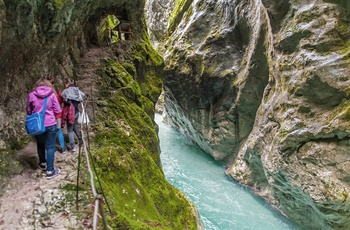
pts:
pixel 46 146
pixel 71 128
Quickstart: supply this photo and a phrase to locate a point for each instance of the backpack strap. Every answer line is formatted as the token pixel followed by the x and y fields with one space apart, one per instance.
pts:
pixel 44 108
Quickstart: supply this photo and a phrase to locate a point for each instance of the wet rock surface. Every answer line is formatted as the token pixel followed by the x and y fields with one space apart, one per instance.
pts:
pixel 264 86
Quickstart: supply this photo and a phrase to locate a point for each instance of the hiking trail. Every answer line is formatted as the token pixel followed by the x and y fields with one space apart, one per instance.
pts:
pixel 30 201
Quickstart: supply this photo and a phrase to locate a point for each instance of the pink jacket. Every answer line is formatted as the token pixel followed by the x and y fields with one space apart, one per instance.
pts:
pixel 35 104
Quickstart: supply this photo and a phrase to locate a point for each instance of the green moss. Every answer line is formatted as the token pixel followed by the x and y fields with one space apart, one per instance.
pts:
pixel 307 73
pixel 346 114
pixel 189 13
pixel 346 47
pixel 112 21
pixel 147 58
pixel 226 72
pixel 109 22
pixel 201 5
pixel 344 195
pixel 342 110
pixel 139 206
pixel 130 68
pixel 181 6
pixel 283 132
pixel 60 3
pixel 130 171
pixel 210 68
pixel 127 150
pixel 145 52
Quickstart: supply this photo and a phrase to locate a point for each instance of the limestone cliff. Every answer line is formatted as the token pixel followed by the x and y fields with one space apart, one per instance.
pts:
pixel 122 84
pixel 264 85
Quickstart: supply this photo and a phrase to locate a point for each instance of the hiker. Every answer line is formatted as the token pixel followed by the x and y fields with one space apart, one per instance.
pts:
pixel 45 141
pixel 60 136
pixel 72 96
pixel 108 36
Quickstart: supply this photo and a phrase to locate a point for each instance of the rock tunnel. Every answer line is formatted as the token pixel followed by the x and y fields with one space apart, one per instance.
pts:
pixel 115 20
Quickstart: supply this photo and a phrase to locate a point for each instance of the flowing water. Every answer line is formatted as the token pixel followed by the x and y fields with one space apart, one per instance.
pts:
pixel 222 203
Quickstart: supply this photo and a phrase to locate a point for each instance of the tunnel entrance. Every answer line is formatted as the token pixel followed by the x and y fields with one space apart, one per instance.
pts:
pixel 107 29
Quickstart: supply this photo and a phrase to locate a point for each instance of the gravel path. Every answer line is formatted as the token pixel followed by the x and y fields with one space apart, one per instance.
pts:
pixel 31 201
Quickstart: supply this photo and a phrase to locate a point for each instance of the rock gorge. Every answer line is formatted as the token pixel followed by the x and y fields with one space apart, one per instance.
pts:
pixel 264 85
pixel 260 84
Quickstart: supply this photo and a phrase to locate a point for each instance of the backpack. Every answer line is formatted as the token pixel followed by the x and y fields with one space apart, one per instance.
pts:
pixel 35 122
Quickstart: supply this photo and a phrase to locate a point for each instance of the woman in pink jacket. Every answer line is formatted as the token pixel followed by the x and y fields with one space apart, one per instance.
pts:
pixel 47 140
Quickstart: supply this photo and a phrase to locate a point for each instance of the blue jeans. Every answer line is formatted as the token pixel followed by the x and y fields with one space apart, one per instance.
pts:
pixel 46 141
pixel 60 137
pixel 71 128
pixel 60 133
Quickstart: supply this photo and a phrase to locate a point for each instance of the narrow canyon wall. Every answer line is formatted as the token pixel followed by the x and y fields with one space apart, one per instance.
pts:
pixel 264 85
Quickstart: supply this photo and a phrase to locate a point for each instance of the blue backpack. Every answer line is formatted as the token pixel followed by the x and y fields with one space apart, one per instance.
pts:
pixel 35 122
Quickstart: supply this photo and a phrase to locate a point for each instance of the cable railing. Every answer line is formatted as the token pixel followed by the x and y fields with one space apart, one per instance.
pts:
pixel 98 198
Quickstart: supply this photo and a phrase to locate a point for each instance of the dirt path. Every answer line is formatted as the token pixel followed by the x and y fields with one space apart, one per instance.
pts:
pixel 33 202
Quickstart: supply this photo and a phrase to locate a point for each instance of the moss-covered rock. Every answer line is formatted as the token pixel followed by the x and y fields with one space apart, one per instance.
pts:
pixel 126 148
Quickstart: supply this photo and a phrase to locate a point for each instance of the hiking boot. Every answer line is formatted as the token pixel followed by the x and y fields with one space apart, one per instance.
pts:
pixel 63 150
pixel 52 174
pixel 74 149
pixel 42 165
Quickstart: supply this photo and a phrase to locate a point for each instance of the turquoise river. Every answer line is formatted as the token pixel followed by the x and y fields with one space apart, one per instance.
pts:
pixel 222 203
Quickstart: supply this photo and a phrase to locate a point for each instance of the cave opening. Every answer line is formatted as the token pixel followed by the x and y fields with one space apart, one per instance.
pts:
pixel 106 30
pixel 107 27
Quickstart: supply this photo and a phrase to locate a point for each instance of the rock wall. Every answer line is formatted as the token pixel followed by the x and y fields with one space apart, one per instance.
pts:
pixel 264 86
pixel 39 38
